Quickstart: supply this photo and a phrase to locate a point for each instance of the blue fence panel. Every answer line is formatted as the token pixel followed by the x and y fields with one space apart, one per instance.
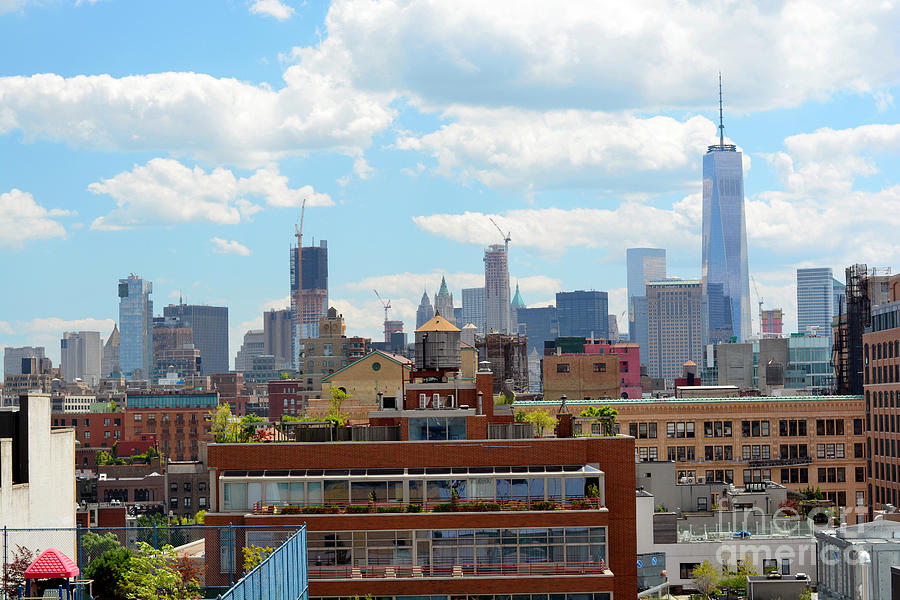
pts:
pixel 281 576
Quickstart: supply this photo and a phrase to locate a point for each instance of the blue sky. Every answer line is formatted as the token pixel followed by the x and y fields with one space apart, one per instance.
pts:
pixel 176 139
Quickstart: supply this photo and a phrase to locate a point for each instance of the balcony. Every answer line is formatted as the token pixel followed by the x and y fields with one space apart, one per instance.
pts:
pixel 458 571
pixel 332 508
pixel 780 462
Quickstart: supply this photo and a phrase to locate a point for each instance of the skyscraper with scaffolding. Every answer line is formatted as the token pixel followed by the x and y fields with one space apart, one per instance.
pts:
pixel 309 271
pixel 725 276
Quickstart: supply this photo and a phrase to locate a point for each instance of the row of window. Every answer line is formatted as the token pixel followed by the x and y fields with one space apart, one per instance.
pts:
pixel 457 546
pixel 883 399
pixel 882 350
pixel 883 374
pixel 753 452
pixel 686 570
pixel 244 495
pixel 87 422
pixel 186 503
pixel 173 487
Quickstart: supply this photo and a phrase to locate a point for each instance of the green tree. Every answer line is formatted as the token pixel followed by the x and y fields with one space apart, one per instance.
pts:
pixel 736 580
pixel 152 574
pixel 520 415
pixel 705 577
pixel 338 396
pixel 93 545
pixel 605 414
pixel 542 420
pixel 107 572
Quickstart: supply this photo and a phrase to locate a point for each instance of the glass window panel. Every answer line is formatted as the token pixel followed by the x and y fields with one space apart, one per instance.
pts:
pixel 504 488
pixel 536 488
pixel 509 555
pixel 577 554
pixel 314 492
pixel 487 536
pixel 456 428
pixel 415 491
pixel 554 487
pixel 460 486
pixel 336 490
pixel 235 496
pixel 574 487
pixel 437 428
pixel 519 490
pixel 418 429
pixel 361 491
pixel 481 488
pixel 254 494
pixel 438 491
pixel 395 491
pixel 487 554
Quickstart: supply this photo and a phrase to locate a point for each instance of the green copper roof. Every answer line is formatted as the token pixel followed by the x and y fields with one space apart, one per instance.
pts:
pixel 443 291
pixel 517 301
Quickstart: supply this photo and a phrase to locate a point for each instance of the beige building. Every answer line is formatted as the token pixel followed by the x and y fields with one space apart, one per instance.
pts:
pixel 579 376
pixel 376 373
pixel 797 441
pixel 675 326
pixel 331 351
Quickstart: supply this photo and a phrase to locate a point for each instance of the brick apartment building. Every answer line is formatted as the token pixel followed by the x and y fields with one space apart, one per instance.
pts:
pixel 439 509
pixel 93 429
pixel 629 355
pixel 797 441
pixel 881 360
pixel 177 418
pixel 581 376
pixel 187 488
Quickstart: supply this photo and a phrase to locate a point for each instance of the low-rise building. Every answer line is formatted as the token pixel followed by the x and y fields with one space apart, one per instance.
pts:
pixel 581 376
pixel 855 561
pixel 187 488
pixel 177 418
pixel 797 441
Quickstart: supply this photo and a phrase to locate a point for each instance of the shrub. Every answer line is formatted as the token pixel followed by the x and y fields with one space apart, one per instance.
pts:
pixel 413 508
pixel 291 510
pixel 328 509
pixel 107 572
pixel 545 505
pixel 358 508
pixel 391 508
pixel 580 504
pixel 444 507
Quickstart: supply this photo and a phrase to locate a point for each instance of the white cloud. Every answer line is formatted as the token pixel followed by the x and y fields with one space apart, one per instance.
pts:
pixel 24 219
pixel 219 120
pixel 8 6
pixel 272 8
pixel 552 230
pixel 608 56
pixel 521 148
pixel 229 247
pixel 164 191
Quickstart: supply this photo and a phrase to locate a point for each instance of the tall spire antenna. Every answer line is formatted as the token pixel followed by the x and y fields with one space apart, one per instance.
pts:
pixel 721 120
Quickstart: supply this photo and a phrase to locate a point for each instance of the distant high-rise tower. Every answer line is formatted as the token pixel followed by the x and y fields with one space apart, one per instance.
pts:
pixel 80 356
pixel 277 335
pixel 254 345
pixel 496 289
pixel 517 304
pixel 135 327
pixel 109 364
pixel 210 329
pixel 840 297
pixel 643 264
pixel 473 308
pixel 12 358
pixel 443 302
pixel 583 314
pixel 726 277
pixel 425 312
pixel 674 308
pixel 815 301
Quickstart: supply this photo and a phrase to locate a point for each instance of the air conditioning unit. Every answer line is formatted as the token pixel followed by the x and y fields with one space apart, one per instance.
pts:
pixel 690 480
pixel 701 479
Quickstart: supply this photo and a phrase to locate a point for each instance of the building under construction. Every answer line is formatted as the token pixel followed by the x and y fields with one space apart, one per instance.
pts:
pixel 865 288
pixel 508 355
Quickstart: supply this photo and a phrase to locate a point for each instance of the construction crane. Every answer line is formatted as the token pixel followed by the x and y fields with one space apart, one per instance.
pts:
pixel 386 305
pixel 760 303
pixel 297 296
pixel 506 237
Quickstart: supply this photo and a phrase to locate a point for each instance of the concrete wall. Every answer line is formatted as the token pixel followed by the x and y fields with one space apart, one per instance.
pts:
pixel 48 498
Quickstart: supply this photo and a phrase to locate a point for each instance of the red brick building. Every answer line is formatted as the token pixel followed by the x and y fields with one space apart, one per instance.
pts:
pixel 285 398
pixel 456 504
pixel 178 419
pixel 95 430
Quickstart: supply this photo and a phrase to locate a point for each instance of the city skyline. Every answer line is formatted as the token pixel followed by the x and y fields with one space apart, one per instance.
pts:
pixel 210 219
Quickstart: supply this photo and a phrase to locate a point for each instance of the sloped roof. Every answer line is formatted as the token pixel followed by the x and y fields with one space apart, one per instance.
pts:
pixel 438 323
pixel 400 360
pixel 517 300
pixel 443 291
pixel 52 564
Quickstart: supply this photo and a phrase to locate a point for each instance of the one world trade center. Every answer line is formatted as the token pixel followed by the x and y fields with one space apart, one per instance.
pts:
pixel 726 280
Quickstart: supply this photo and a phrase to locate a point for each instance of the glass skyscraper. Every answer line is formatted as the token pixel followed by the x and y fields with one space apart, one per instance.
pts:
pixel 644 265
pixel 210 331
pixel 815 301
pixel 583 314
pixel 726 278
pixel 135 327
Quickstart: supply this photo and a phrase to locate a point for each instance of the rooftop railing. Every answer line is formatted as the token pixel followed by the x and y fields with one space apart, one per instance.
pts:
pixel 297 508
pixel 459 571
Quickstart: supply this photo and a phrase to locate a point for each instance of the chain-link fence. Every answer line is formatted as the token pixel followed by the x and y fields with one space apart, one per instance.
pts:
pixel 214 555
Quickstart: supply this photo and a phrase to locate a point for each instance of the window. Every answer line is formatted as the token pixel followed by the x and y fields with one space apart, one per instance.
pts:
pixel 687 569
pixel 562 367
pixel 755 428
pixel 599 367
pixel 187 501
pixel 87 435
pixel 785 566
pixel 860 475
pixel 137 416
pixel 857 426
pixel 106 422
pixel 860 498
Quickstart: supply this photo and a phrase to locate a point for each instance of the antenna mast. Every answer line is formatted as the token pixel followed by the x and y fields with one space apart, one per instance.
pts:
pixel 721 120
